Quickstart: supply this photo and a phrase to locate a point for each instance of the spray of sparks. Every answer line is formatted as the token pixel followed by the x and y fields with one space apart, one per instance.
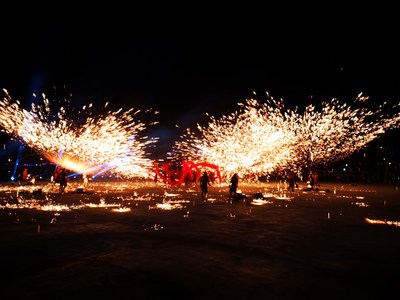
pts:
pixel 109 143
pixel 263 138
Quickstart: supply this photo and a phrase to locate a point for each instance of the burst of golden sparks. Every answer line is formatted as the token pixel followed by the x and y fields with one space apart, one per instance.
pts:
pixel 262 138
pixel 108 143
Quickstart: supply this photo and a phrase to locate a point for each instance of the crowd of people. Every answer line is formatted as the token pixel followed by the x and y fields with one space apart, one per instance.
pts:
pixel 291 178
pixel 206 180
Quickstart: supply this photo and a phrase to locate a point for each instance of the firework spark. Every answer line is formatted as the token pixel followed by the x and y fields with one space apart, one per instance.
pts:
pixel 262 138
pixel 105 143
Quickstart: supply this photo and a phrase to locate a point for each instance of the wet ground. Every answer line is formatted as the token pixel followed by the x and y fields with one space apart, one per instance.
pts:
pixel 124 240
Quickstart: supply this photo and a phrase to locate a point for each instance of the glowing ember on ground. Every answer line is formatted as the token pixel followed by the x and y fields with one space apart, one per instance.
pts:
pixel 260 202
pixel 121 209
pixel 386 222
pixel 167 206
pixel 166 194
pixel 50 207
pixel 211 199
pixel 284 197
pixel 101 205
pixel 157 227
pixel 268 195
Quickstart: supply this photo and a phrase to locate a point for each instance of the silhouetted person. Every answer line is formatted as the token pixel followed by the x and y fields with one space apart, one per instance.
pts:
pixel 315 179
pixel 311 180
pixel 204 183
pixel 292 181
pixel 234 185
pixel 63 179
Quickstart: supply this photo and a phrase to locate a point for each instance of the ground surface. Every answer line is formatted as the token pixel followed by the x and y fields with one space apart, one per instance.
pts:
pixel 124 240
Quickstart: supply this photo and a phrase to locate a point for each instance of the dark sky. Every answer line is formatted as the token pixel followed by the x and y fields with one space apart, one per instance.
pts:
pixel 185 69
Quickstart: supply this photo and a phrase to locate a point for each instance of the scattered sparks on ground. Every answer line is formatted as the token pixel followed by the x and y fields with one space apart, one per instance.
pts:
pixel 101 205
pixel 212 200
pixel 122 209
pixel 157 227
pixel 284 197
pixel 260 202
pixel 386 222
pixel 167 206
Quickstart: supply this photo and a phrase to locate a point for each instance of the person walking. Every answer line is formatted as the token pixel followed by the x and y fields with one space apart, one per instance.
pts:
pixel 204 183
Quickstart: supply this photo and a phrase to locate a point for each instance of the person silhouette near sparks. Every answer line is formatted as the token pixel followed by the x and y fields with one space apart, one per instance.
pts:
pixel 234 185
pixel 204 183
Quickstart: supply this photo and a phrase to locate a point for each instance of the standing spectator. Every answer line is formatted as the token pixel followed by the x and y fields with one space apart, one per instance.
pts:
pixel 204 183
pixel 311 180
pixel 63 179
pixel 292 181
pixel 234 185
pixel 315 179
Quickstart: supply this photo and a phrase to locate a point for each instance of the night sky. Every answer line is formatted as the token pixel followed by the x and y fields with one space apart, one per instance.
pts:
pixel 185 70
